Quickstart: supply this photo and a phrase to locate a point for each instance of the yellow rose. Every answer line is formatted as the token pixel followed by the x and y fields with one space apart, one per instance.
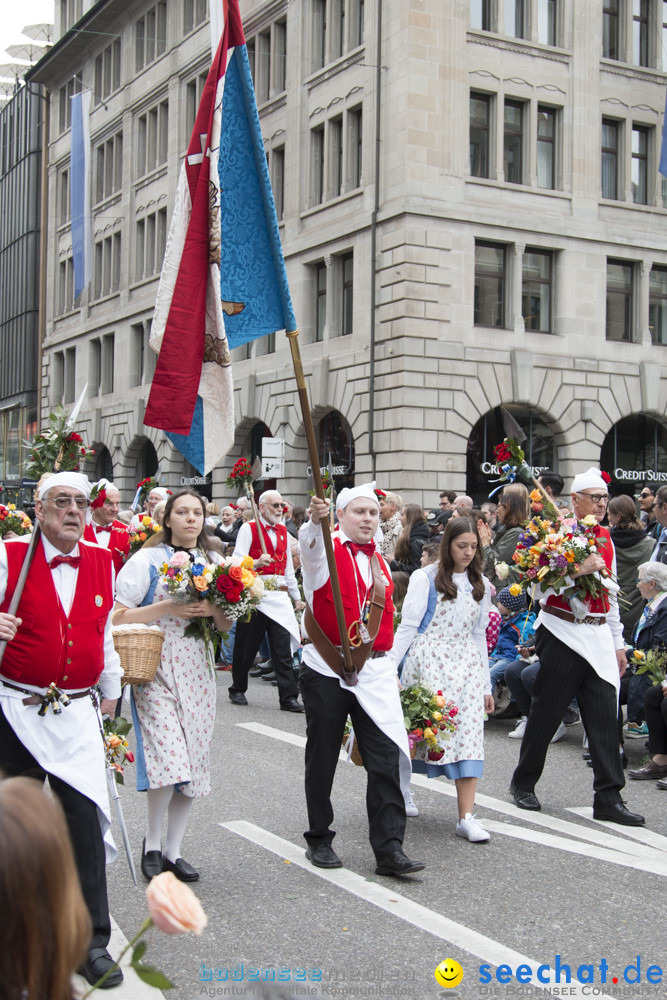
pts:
pixel 247 577
pixel 247 562
pixel 428 733
pixel 515 590
pixel 436 715
pixel 640 654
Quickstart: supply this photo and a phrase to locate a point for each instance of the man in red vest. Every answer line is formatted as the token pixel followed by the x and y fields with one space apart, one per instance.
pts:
pixel 369 696
pixel 105 530
pixel 274 614
pixel 61 635
pixel 583 657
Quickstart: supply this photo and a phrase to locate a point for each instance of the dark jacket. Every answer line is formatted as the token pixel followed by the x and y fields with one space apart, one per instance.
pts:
pixel 633 547
pixel 655 632
pixel 419 536
pixel 503 548
pixel 228 536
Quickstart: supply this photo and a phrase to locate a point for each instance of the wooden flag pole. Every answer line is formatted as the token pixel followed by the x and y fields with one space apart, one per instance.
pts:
pixel 251 496
pixel 293 338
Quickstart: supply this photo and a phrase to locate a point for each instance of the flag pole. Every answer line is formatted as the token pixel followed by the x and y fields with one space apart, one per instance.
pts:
pixel 293 338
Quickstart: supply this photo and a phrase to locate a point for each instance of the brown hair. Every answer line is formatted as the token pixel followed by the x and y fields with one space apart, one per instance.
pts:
pixel 401 581
pixel 515 509
pixel 45 928
pixel 413 515
pixel 163 537
pixel 624 506
pixel 519 490
pixel 443 578
pixel 298 516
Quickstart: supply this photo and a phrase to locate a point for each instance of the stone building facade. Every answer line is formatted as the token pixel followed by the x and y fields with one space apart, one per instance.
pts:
pixel 471 212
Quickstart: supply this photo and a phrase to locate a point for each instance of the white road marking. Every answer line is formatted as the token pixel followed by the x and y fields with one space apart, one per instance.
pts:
pixel 132 988
pixel 655 841
pixel 427 920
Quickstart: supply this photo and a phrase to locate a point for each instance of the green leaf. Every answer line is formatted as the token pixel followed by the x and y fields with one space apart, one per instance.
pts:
pixel 153 977
pixel 139 952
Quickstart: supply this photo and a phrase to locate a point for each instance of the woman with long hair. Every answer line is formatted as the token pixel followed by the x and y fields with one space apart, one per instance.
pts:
pixel 45 928
pixel 633 547
pixel 500 549
pixel 411 541
pixel 448 653
pixel 175 712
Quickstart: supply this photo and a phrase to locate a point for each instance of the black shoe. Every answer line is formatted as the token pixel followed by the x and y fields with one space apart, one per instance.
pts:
pixel 525 800
pixel 255 672
pixel 151 862
pixel 182 870
pixel 616 812
pixel 323 856
pixel 291 705
pixel 237 697
pixel 270 676
pixel 586 755
pixel 98 963
pixel 397 863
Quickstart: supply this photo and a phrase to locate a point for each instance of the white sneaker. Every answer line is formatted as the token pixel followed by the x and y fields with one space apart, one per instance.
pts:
pixel 559 734
pixel 519 729
pixel 471 828
pixel 410 807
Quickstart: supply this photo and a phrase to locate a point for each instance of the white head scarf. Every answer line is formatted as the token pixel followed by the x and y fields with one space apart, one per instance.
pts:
pixel 73 480
pixel 589 480
pixel 161 491
pixel 106 484
pixel 366 492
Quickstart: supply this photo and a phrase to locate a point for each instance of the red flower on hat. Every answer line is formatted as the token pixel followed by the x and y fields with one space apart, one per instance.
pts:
pixel 606 477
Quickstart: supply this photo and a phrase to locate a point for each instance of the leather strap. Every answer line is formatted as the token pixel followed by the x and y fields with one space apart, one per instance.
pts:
pixel 567 616
pixel 331 654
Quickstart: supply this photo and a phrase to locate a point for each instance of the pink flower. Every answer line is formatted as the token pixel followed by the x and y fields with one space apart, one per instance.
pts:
pixel 180 560
pixel 173 906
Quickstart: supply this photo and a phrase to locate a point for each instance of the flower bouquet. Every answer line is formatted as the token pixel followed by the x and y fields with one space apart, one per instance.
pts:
pixel 511 461
pixel 47 447
pixel 327 486
pixel 429 719
pixel 241 475
pixel 651 662
pixel 98 496
pixel 116 746
pixel 147 528
pixel 14 520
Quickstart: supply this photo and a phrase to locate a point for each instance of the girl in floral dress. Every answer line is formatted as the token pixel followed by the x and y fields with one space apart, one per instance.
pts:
pixel 174 713
pixel 449 654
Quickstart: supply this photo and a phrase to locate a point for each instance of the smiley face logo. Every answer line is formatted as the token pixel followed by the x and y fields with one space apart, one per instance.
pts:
pixel 449 973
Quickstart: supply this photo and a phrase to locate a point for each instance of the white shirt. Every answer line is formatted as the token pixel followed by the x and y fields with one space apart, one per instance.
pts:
pixel 242 548
pixel 101 537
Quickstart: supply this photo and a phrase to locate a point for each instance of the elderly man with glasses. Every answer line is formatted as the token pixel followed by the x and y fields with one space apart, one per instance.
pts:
pixel 583 657
pixel 59 648
pixel 105 529
pixel 274 614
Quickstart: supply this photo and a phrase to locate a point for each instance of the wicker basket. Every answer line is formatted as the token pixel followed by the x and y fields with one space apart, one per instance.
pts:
pixel 139 648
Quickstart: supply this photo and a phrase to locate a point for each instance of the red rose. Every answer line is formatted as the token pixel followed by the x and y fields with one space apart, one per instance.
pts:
pixel 75 437
pixel 225 584
pixel 129 757
pixel 606 477
pixel 234 596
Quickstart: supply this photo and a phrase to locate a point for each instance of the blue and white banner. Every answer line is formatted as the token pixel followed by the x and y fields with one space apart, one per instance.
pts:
pixel 82 249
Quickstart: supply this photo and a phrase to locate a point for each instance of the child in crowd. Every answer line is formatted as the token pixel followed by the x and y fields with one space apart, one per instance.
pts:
pixel 517 624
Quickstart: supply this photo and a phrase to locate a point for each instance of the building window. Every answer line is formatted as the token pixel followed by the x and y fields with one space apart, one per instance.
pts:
pixel 546 147
pixel 356 21
pixel 267 55
pixel 108 363
pixel 337 26
pixel 152 137
pixel 355 147
pixel 546 22
pixel 515 18
pixel 280 56
pixel 70 375
pixel 490 281
pixel 610 29
pixel 142 357
pixel 317 164
pixel 319 33
pixel 263 66
pixel 194 13
pixel 639 172
pixel 65 286
pixel 70 12
pixel 277 170
pixel 63 198
pixel 95 365
pixel 193 91
pixel 66 93
pixel 663 37
pixel 536 286
pixel 619 300
pixel 480 124
pixel 609 169
pixel 58 376
pixel 513 142
pixel 480 15
pixel 106 266
pixel 640 32
pixel 109 167
pixel 150 35
pixel 320 300
pixel 107 72
pixel 151 241
pixel 336 157
pixel 657 305
pixel 347 293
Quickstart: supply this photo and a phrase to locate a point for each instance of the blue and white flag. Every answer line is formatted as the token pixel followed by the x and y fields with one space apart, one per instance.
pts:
pixel 82 249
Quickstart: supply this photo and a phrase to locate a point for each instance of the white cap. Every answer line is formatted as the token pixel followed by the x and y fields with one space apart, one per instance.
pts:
pixel 106 484
pixel 74 480
pixel 366 492
pixel 163 493
pixel 589 480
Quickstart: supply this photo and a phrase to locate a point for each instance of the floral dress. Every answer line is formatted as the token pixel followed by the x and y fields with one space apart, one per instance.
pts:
pixel 174 714
pixel 451 656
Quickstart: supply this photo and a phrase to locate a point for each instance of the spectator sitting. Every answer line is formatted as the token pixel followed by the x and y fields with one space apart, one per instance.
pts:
pixel 411 541
pixel 655 709
pixel 633 547
pixel 517 626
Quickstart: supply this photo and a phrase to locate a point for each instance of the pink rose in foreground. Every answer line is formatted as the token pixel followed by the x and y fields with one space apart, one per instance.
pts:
pixel 173 906
pixel 180 560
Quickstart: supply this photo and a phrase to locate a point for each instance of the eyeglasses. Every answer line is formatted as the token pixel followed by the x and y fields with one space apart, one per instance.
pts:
pixel 276 506
pixel 643 496
pixel 595 497
pixel 64 502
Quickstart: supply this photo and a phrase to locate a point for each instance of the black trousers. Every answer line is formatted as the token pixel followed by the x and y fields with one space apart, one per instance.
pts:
pixel 248 639
pixel 562 675
pixel 84 828
pixel 327 707
pixel 655 710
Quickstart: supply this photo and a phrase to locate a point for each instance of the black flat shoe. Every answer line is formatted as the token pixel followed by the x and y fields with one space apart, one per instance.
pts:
pixel 97 964
pixel 616 812
pixel 182 870
pixel 237 697
pixel 525 800
pixel 397 863
pixel 151 862
pixel 323 856
pixel 291 705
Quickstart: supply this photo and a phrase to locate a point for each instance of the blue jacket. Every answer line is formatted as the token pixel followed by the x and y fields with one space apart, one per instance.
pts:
pixel 513 631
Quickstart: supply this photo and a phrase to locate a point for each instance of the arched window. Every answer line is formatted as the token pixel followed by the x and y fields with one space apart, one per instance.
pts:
pixel 147 462
pixel 336 448
pixel 103 465
pixel 634 453
pixel 481 469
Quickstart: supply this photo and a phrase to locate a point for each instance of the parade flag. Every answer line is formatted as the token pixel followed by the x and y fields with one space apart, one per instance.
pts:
pixel 222 245
pixel 663 149
pixel 82 249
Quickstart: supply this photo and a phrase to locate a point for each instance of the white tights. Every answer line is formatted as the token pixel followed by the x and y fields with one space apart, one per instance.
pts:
pixel 177 806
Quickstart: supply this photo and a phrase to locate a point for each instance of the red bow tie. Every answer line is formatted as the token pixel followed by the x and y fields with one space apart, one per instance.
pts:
pixel 103 527
pixel 68 560
pixel 368 549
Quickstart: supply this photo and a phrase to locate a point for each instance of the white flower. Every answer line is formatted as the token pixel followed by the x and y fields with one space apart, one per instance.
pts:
pixel 502 570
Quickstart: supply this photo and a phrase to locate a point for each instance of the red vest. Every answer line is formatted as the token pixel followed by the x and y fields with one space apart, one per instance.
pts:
pixel 323 605
pixel 278 555
pixel 599 606
pixel 50 645
pixel 119 542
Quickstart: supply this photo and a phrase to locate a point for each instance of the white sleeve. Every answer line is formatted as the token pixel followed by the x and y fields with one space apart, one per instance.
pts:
pixel 243 540
pixel 479 635
pixel 314 569
pixel 111 675
pixel 414 609
pixel 134 580
pixel 290 577
pixel 614 613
